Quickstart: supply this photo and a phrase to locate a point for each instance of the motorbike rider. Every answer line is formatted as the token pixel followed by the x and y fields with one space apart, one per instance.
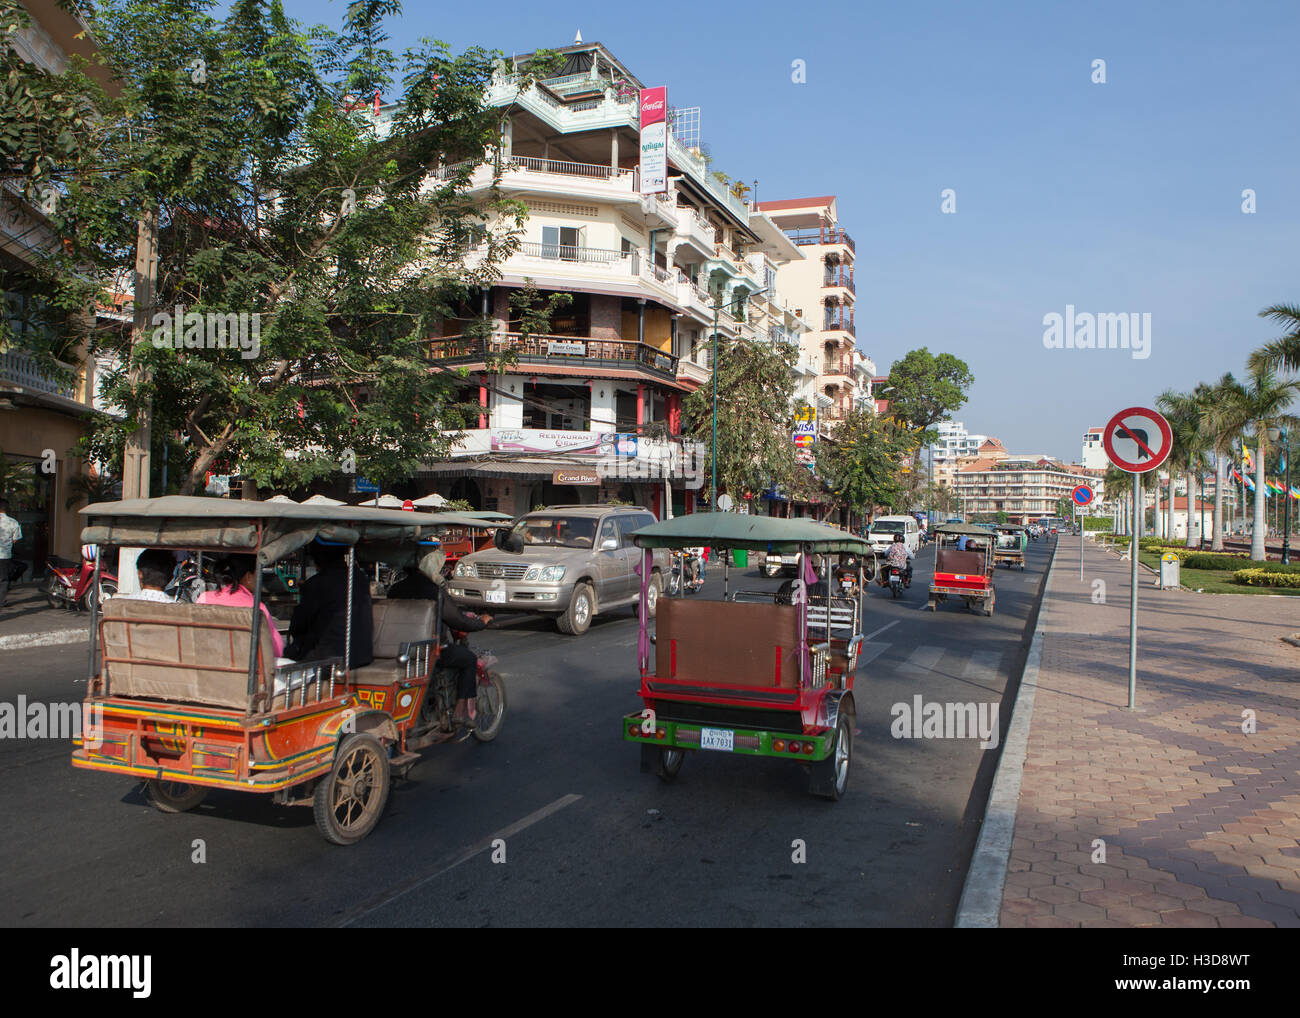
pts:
pixel 455 656
pixel 901 555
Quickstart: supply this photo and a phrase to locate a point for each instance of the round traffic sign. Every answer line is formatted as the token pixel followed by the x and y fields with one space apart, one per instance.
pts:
pixel 1137 439
pixel 725 502
pixel 1082 495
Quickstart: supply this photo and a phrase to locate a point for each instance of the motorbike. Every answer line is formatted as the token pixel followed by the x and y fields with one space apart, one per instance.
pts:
pixel 896 581
pixel 678 577
pixel 846 578
pixel 72 586
pixel 437 712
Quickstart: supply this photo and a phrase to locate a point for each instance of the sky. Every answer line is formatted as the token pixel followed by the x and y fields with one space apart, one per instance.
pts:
pixel 1115 197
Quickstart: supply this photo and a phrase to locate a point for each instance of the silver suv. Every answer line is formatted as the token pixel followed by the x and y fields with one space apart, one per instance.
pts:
pixel 573 562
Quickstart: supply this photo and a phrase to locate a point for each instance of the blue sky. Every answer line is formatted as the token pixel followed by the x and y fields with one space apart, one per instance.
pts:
pixel 1116 197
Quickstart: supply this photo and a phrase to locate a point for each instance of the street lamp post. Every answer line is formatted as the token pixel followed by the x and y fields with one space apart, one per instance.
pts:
pixel 1273 435
pixel 713 457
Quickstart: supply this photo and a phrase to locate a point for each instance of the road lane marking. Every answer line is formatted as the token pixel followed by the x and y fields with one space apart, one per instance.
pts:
pixel 872 636
pixel 451 863
pixel 922 660
pixel 982 668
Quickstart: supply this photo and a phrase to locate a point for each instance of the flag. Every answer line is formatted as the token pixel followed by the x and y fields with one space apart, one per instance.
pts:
pixel 1246 463
pixel 1250 482
pixel 1236 475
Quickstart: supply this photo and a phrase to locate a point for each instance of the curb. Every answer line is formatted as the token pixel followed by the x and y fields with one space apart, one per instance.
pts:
pixel 53 638
pixel 981 895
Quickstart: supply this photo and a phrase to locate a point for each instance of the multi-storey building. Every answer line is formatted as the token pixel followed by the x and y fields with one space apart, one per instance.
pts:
pixel 41 417
pixel 1094 453
pixel 823 289
pixel 647 273
pixel 1024 487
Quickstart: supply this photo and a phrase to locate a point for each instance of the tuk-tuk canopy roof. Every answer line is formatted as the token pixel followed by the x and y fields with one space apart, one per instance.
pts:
pixel 1011 526
pixel 220 524
pixel 754 533
pixel 969 529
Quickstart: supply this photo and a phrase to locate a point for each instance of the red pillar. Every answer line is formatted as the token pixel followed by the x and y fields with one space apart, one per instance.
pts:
pixel 675 414
pixel 483 402
pixel 640 407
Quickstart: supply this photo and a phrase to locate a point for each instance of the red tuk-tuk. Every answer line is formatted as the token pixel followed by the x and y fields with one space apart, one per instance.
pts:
pixel 467 532
pixel 765 673
pixel 963 566
pixel 191 697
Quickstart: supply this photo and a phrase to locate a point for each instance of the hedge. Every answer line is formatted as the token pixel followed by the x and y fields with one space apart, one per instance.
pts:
pixel 1266 578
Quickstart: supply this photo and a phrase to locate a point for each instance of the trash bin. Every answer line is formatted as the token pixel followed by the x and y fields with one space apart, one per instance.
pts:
pixel 740 557
pixel 1169 569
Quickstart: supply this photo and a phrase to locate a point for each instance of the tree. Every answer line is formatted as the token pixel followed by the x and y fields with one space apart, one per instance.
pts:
pixel 1118 485
pixel 925 389
pixel 1224 422
pixel 859 464
pixel 281 197
pixel 1182 411
pixel 1263 407
pixel 1281 354
pixel 755 420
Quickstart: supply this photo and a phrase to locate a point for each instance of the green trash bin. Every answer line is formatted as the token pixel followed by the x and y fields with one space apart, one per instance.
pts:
pixel 740 557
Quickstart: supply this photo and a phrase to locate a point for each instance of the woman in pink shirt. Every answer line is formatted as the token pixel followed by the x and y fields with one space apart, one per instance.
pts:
pixel 235 575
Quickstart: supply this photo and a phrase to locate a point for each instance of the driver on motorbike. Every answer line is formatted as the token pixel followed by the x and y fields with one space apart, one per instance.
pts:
pixel 457 657
pixel 900 555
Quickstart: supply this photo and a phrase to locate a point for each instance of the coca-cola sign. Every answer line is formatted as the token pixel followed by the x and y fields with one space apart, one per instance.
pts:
pixel 654 140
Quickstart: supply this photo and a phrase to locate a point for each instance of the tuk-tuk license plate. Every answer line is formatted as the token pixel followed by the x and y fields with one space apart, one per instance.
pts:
pixel 718 738
pixel 496 596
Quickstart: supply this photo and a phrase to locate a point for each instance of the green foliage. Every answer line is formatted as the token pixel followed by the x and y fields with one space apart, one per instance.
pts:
pixel 925 389
pixel 279 194
pixel 1099 523
pixel 1263 577
pixel 755 425
pixel 1212 560
pixel 860 463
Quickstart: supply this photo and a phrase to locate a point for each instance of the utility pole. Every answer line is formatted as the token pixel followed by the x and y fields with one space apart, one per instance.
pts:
pixel 135 456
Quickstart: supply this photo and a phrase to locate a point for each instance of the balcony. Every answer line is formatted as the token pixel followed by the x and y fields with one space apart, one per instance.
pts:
pixel 20 369
pixel 579 352
pixel 692 372
pixel 696 231
pixel 821 235
pixel 572 253
pixel 841 278
pixel 839 320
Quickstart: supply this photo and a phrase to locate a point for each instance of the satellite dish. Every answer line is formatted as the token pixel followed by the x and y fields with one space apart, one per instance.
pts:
pixel 725 502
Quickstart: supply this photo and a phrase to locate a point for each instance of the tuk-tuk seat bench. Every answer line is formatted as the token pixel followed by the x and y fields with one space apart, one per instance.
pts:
pixel 397 625
pixel 967 562
pixel 725 642
pixel 188 653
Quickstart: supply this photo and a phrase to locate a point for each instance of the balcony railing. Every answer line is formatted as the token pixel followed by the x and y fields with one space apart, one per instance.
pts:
pixel 20 369
pixel 580 351
pixel 840 278
pixel 563 166
pixel 838 320
pixel 571 253
pixel 821 235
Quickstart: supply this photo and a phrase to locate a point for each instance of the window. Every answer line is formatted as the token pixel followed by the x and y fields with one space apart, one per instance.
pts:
pixel 561 242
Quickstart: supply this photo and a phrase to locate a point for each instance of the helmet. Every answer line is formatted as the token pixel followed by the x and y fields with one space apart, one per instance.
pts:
pixel 898 538
pixel 431 564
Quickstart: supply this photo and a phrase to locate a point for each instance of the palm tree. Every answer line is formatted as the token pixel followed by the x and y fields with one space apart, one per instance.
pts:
pixel 1264 408
pixel 1182 410
pixel 1224 421
pixel 1284 353
pixel 1117 484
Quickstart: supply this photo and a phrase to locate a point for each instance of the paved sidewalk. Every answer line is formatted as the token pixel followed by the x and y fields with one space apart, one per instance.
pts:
pixel 28 621
pixel 1200 821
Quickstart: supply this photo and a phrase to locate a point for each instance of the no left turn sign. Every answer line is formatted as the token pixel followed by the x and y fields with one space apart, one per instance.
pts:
pixel 1137 439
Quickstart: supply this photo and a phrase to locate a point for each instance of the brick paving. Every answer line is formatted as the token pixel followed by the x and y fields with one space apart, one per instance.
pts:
pixel 1199 821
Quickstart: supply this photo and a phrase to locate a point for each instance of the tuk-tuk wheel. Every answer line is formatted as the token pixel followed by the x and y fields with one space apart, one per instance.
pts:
pixel 490 708
pixel 175 796
pixel 350 799
pixel 670 763
pixel 830 777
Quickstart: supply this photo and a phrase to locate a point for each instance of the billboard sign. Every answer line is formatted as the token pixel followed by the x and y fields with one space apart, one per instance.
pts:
pixel 654 140
pixel 805 426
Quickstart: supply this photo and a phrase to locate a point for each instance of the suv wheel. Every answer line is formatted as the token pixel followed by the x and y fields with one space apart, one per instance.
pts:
pixel 652 592
pixel 577 618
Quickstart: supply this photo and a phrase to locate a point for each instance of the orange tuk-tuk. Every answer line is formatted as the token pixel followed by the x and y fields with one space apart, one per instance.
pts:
pixel 762 673
pixel 190 697
pixel 963 566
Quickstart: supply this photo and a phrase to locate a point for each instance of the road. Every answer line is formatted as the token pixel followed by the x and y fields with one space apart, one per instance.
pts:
pixel 587 839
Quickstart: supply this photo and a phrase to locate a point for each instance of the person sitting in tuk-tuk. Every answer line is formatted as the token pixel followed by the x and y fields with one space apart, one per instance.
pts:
pixel 154 568
pixel 235 575
pixel 320 620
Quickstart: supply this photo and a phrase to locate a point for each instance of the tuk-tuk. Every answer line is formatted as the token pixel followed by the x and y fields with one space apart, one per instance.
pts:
pixel 191 697
pixel 464 533
pixel 760 673
pixel 963 566
pixel 1012 540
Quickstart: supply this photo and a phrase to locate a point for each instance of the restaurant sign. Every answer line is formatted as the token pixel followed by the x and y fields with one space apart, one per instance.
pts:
pixel 575 477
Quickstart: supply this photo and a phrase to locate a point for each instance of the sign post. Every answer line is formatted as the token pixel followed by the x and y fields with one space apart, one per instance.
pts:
pixel 1137 440
pixel 1081 496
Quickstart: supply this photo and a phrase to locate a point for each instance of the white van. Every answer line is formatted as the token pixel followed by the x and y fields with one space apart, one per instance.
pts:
pixel 882 531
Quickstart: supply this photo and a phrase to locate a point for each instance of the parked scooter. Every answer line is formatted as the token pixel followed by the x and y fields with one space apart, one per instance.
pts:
pixel 686 575
pixel 72 586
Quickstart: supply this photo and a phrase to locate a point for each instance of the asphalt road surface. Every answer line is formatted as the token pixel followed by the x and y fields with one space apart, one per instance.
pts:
pixel 553 823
